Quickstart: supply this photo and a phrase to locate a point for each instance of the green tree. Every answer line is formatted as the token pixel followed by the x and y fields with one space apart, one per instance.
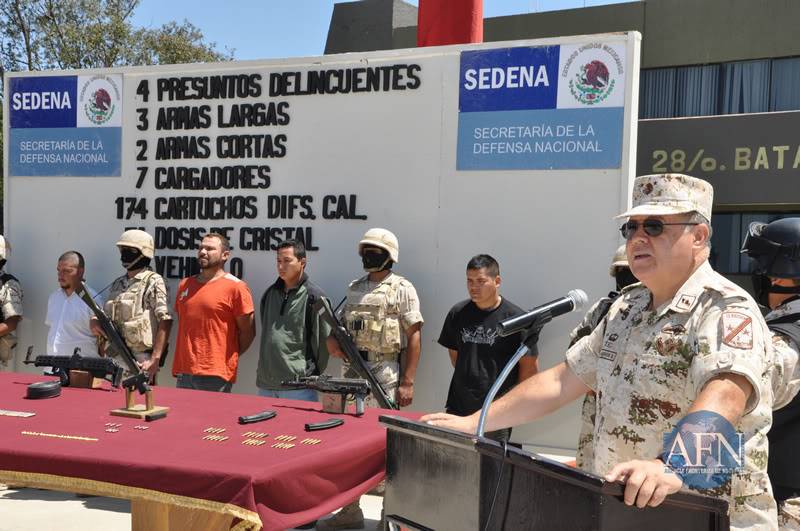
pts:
pixel 75 34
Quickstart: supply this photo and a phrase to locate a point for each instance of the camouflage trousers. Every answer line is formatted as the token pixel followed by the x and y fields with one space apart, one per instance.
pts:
pixel 753 512
pixel 789 515
pixel 8 345
pixel 386 372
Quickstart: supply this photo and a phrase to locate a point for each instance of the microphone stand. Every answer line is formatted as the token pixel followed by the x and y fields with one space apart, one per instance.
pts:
pixel 530 336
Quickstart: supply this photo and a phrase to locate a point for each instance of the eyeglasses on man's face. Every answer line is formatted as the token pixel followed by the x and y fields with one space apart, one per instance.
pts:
pixel 651 227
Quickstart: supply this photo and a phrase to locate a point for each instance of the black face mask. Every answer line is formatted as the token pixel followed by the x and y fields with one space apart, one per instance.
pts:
pixel 763 287
pixel 625 278
pixel 2 263
pixel 375 261
pixel 131 258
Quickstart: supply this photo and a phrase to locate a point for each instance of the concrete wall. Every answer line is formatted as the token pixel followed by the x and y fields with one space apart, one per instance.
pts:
pixel 602 19
pixel 679 32
pixel 675 32
pixel 367 25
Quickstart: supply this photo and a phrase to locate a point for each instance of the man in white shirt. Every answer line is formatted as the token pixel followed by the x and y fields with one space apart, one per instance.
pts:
pixel 67 315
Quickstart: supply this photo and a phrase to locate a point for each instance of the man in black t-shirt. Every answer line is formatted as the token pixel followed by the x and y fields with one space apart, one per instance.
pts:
pixel 477 351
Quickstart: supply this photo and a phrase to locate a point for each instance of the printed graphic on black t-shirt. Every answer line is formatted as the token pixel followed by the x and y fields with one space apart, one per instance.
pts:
pixel 482 353
pixel 479 335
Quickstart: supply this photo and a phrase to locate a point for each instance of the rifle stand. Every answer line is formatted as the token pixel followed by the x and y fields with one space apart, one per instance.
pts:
pixel 138 411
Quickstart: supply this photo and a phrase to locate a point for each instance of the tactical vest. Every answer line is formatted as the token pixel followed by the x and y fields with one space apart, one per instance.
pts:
pixel 784 437
pixel 9 341
pixel 373 318
pixel 128 313
pixel 3 279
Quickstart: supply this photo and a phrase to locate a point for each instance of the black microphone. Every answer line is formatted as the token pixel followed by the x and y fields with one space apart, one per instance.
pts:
pixel 575 300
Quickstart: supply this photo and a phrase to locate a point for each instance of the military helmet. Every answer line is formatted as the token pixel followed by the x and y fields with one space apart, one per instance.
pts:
pixel 4 247
pixel 138 239
pixel 620 260
pixel 382 238
pixel 774 247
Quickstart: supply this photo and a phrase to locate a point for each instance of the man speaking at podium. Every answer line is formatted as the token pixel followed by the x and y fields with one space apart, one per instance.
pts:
pixel 685 342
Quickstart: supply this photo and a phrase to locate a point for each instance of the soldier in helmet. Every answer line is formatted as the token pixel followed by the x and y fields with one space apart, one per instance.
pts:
pixel 382 314
pixel 137 302
pixel 623 277
pixel 621 273
pixel 10 307
pixel 775 249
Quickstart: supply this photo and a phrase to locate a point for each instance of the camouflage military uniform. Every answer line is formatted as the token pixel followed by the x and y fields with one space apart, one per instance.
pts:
pixel 648 367
pixel 585 454
pixel 786 386
pixel 149 291
pixel 789 515
pixel 377 314
pixel 10 305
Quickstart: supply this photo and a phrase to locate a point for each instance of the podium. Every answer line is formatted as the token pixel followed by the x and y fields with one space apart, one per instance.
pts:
pixel 442 480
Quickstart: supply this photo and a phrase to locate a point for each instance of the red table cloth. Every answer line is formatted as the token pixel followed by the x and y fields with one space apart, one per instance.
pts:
pixel 171 463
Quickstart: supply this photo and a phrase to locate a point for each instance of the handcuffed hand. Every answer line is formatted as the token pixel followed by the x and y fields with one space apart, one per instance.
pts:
pixel 405 394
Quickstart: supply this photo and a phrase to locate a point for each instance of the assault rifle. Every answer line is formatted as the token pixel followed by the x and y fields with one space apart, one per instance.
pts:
pixel 105 368
pixel 348 346
pixel 343 387
pixel 138 379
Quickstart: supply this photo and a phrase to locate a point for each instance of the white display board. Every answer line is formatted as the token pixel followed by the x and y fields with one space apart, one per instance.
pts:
pixel 524 150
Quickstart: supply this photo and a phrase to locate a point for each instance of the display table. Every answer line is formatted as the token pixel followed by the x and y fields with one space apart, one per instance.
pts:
pixel 175 478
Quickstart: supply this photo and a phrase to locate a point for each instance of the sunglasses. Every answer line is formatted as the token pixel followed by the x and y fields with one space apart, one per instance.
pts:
pixel 651 227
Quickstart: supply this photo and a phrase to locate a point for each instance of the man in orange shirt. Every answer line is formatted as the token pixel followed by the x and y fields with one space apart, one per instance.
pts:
pixel 215 321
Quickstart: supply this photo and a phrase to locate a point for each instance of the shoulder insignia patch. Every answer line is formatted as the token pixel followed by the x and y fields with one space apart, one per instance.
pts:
pixel 685 302
pixel 737 330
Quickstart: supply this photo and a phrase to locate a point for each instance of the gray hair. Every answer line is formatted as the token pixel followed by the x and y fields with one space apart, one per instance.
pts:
pixel 700 219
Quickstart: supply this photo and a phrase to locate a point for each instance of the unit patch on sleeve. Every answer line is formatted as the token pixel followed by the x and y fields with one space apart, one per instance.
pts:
pixel 737 330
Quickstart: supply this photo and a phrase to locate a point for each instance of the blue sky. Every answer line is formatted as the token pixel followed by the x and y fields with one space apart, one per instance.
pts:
pixel 262 29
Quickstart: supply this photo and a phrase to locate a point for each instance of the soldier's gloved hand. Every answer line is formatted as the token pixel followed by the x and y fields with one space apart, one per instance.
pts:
pixel 646 482
pixel 405 393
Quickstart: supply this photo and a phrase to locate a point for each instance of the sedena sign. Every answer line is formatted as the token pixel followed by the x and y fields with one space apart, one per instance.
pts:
pixel 66 126
pixel 458 150
pixel 542 107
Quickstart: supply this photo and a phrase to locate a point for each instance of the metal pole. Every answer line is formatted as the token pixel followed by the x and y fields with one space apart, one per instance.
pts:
pixel 523 350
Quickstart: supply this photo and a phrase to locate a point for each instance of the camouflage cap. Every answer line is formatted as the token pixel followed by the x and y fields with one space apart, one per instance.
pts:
pixel 670 193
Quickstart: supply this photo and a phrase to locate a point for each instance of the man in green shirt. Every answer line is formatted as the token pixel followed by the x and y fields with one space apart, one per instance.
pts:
pixel 293 337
